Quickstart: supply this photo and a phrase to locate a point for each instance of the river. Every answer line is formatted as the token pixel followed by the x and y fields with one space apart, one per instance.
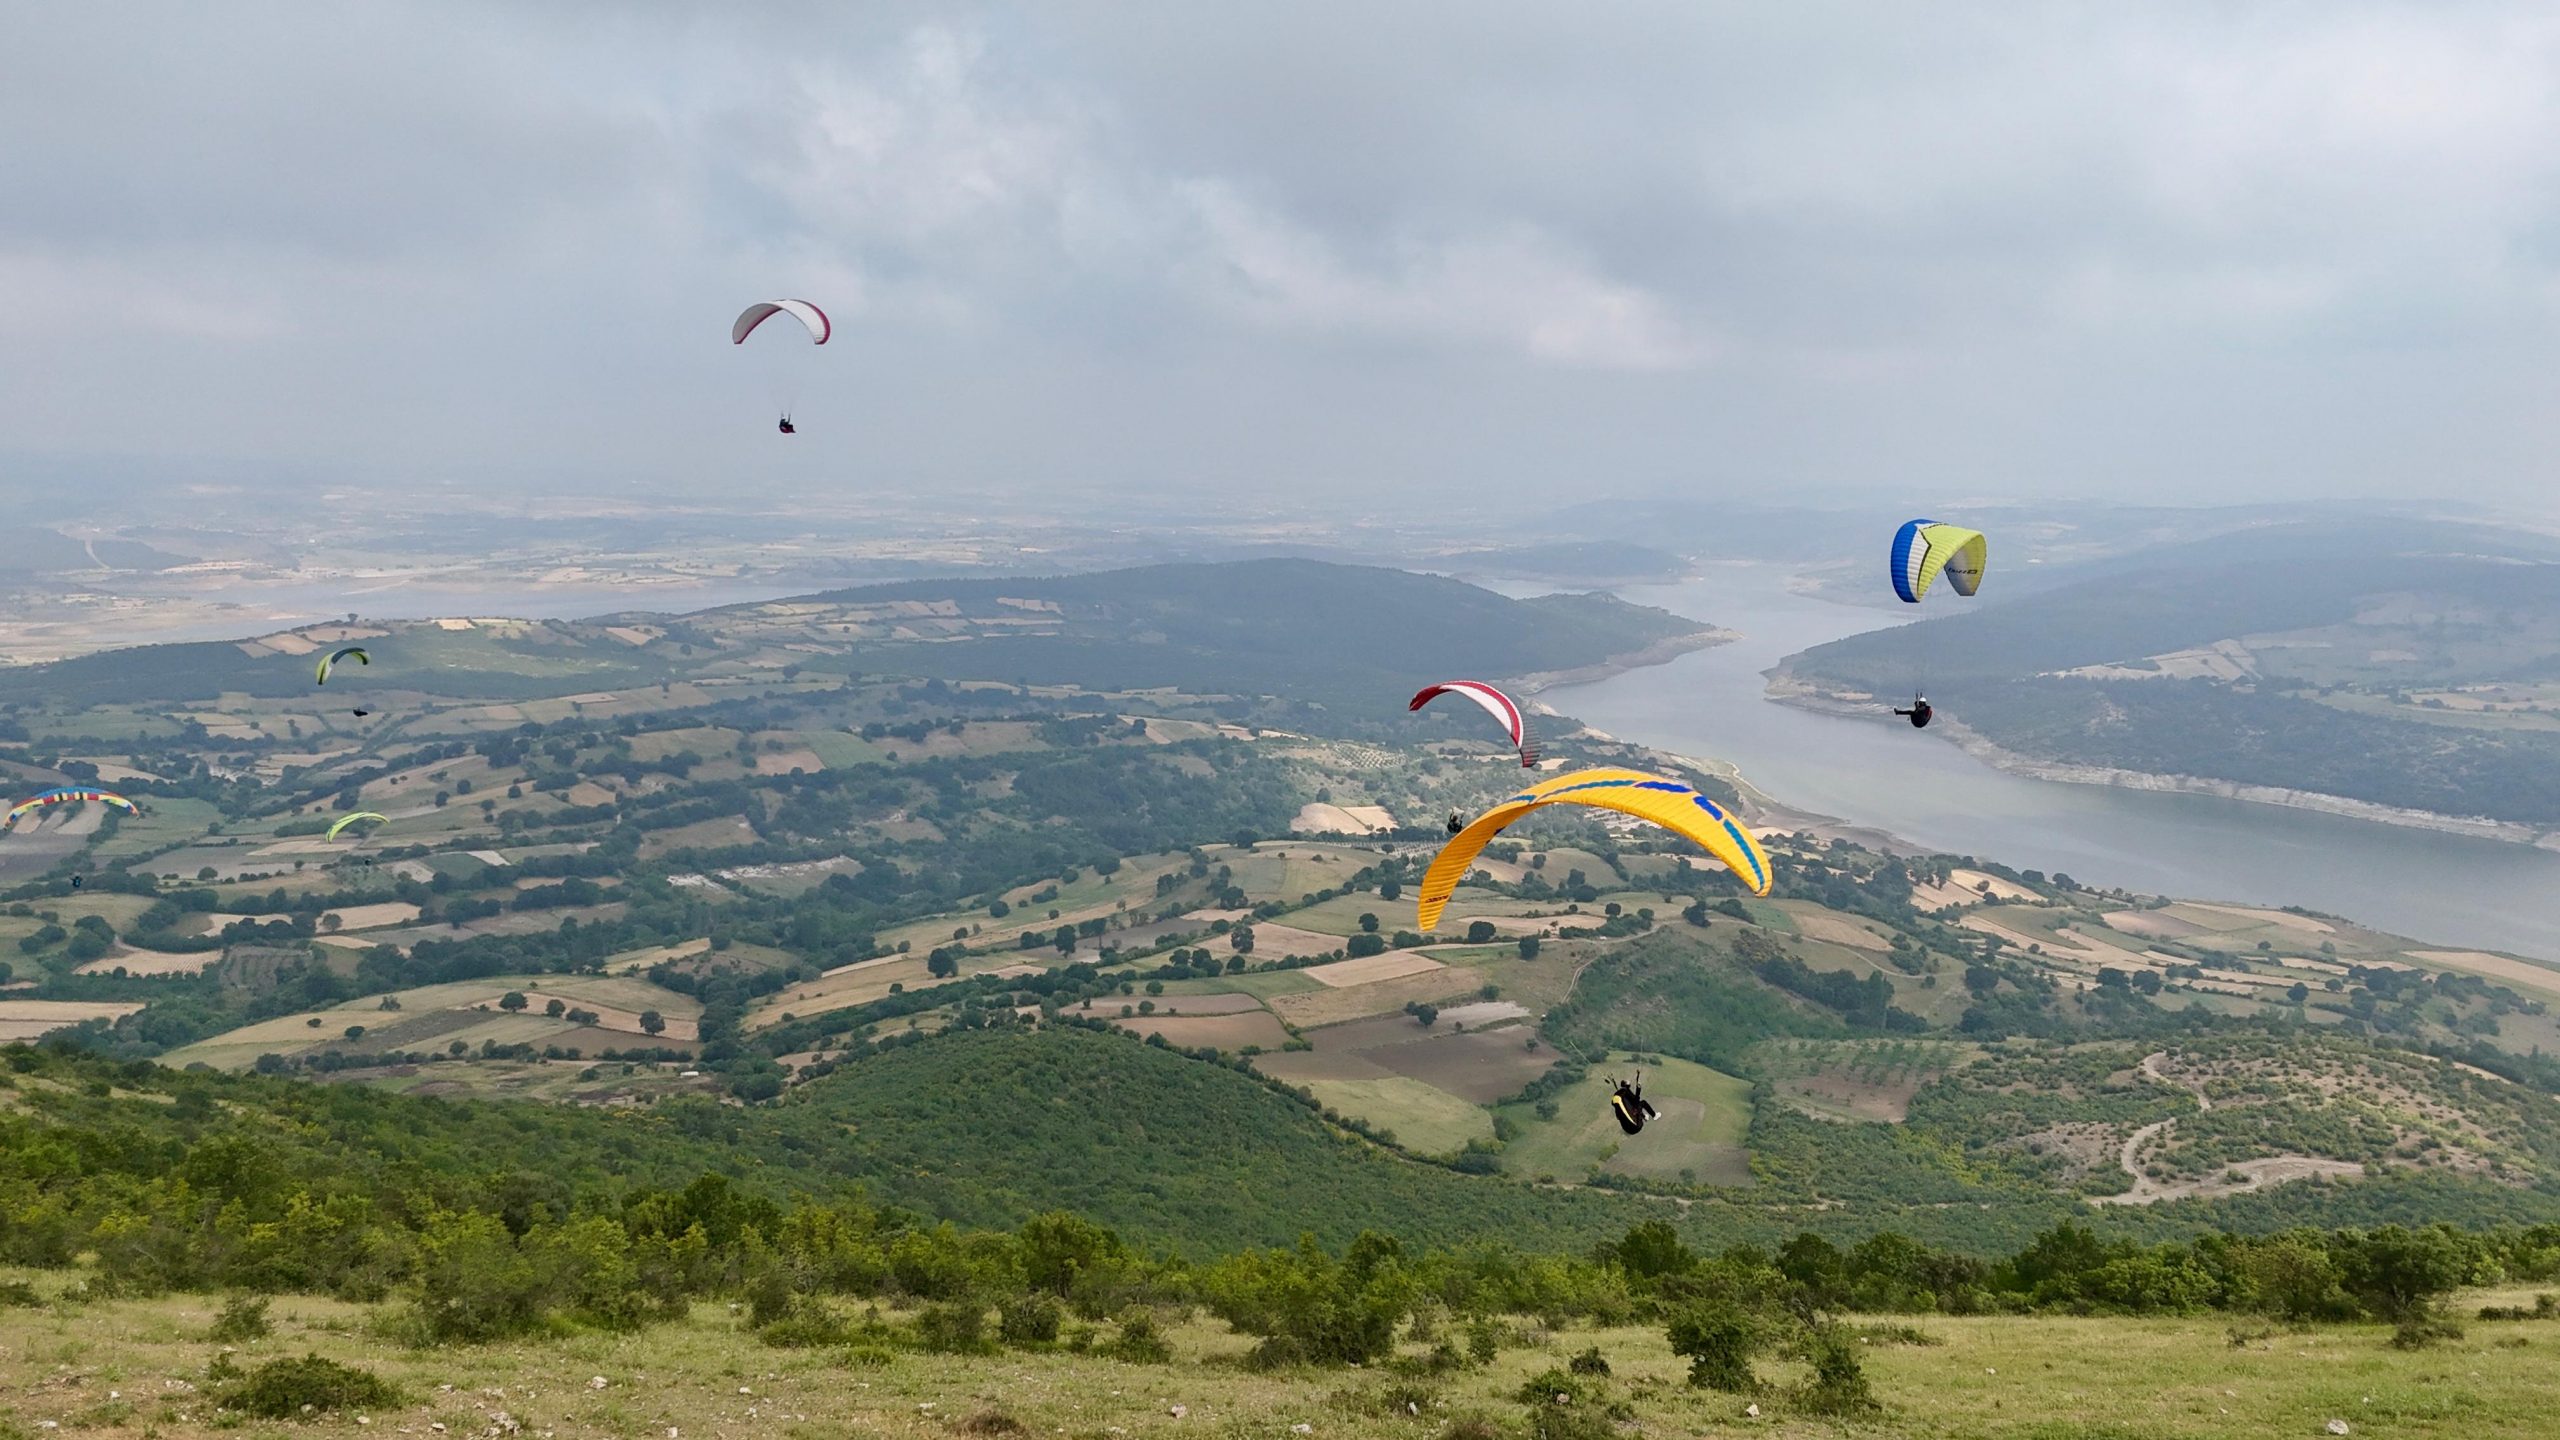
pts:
pixel 2444 888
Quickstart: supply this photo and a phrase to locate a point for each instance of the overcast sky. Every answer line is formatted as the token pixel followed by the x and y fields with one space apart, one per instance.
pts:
pixel 2192 252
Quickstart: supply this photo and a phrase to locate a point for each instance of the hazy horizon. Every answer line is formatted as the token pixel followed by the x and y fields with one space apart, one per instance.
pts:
pixel 1286 257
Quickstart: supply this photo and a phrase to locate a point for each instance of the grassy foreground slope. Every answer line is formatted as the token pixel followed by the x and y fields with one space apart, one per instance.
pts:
pixel 141 1363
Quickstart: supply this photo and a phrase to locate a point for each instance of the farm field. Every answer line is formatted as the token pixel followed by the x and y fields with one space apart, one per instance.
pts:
pixel 1705 1116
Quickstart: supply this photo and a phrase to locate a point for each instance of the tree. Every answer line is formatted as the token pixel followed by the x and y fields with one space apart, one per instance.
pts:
pixel 2399 1273
pixel 1368 924
pixel 1390 890
pixel 1529 947
pixel 1718 1337
pixel 1241 938
pixel 1065 940
pixel 652 1023
pixel 1426 1015
pixel 555 1007
pixel 513 1001
pixel 1363 945
pixel 941 964
pixel 1480 932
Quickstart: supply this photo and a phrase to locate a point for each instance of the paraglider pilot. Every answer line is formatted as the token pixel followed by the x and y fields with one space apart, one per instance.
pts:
pixel 1456 822
pixel 1919 713
pixel 1630 1106
pixel 786 426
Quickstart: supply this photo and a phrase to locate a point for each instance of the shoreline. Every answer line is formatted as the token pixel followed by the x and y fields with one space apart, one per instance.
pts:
pixel 1787 690
pixel 1660 652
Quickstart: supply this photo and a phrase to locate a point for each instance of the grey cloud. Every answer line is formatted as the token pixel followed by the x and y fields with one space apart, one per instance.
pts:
pixel 1491 247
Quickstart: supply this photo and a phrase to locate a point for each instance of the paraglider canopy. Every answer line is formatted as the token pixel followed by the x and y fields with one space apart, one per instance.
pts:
pixel 801 310
pixel 1922 549
pixel 351 819
pixel 330 661
pixel 64 795
pixel 1505 711
pixel 1671 804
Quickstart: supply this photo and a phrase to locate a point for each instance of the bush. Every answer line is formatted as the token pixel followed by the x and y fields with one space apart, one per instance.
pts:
pixel 1719 1338
pixel 956 1327
pixel 1589 1362
pixel 1839 1382
pixel 1139 1342
pixel 1028 1320
pixel 1564 1406
pixel 1395 1401
pixel 19 1294
pixel 283 1389
pixel 990 1422
pixel 2417 1332
pixel 243 1318
pixel 1484 1339
pixel 804 1323
pixel 1277 1352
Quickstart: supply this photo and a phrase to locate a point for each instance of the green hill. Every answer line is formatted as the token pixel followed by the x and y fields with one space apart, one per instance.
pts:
pixel 2407 664
pixel 994 1127
pixel 1356 639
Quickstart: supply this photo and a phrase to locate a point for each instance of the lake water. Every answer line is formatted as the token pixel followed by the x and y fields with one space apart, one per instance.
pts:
pixel 2445 888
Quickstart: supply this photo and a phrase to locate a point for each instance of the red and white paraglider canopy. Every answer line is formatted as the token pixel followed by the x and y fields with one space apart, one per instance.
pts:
pixel 800 310
pixel 1500 706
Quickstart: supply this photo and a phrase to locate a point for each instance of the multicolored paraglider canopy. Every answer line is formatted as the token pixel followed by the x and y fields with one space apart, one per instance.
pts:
pixel 1501 707
pixel 1671 804
pixel 801 310
pixel 330 661
pixel 1923 548
pixel 64 796
pixel 351 819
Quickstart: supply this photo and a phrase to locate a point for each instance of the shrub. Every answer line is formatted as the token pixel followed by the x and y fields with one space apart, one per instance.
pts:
pixel 1719 1338
pixel 1028 1320
pixel 1277 1352
pixel 1838 1385
pixel 1564 1406
pixel 1589 1362
pixel 1484 1339
pixel 243 1318
pixel 2417 1332
pixel 1471 1427
pixel 19 1294
pixel 1139 1342
pixel 282 1389
pixel 990 1422
pixel 956 1327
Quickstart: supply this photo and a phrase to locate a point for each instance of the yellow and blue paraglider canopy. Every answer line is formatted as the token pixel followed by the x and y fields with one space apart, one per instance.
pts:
pixel 1924 548
pixel 64 796
pixel 351 819
pixel 330 661
pixel 1671 804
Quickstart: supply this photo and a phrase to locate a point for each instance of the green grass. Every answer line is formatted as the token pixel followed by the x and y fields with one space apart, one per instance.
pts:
pixel 1989 1378
pixel 1425 1118
pixel 1705 1116
pixel 837 749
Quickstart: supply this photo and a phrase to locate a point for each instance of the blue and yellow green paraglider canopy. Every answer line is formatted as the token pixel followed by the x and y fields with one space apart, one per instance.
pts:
pixel 1922 549
pixel 1672 804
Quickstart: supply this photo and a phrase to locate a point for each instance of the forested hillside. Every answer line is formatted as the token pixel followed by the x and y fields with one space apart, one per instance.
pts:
pixel 2405 664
